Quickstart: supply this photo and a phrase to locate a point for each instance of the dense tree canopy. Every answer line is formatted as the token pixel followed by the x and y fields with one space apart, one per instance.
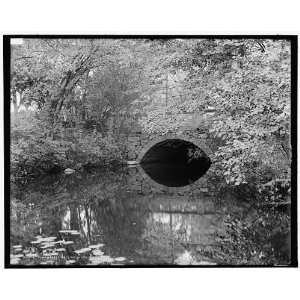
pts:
pixel 105 84
pixel 248 84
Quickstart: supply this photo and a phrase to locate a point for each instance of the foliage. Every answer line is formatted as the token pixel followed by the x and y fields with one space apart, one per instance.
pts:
pixel 35 156
pixel 74 100
pixel 96 150
pixel 83 85
pixel 108 85
pixel 110 93
pixel 264 240
pixel 33 153
pixel 248 84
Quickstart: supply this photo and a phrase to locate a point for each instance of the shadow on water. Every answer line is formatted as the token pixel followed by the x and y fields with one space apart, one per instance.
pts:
pixel 175 174
pixel 110 218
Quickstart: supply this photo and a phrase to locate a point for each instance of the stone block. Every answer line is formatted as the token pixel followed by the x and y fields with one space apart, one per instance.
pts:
pixel 133 139
pixel 132 155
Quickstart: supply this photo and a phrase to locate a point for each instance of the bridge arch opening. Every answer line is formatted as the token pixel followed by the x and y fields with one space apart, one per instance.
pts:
pixel 175 162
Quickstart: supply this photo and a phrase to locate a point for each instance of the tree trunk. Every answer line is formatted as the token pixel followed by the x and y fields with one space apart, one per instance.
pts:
pixel 14 103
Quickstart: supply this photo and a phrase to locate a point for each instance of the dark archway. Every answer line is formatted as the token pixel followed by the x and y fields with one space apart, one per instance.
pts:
pixel 199 143
pixel 170 162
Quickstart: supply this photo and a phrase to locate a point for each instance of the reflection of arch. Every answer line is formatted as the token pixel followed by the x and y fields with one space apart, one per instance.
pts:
pixel 201 182
pixel 186 138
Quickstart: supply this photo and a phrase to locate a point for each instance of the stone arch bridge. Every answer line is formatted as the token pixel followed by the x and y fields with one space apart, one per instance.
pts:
pixel 141 144
pixel 190 132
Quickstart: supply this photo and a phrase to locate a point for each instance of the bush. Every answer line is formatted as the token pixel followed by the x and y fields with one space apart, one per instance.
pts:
pixel 95 150
pixel 33 153
pixel 33 157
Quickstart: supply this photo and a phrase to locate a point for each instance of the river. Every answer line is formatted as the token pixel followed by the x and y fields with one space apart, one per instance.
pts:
pixel 114 218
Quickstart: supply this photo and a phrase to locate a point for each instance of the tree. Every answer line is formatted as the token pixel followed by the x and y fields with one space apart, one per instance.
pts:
pixel 248 83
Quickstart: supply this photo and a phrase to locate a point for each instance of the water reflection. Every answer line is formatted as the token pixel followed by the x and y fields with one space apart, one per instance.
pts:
pixel 176 174
pixel 99 218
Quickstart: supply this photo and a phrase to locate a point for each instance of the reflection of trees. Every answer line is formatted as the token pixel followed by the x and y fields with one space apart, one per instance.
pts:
pixel 121 223
pixel 161 242
pixel 102 208
pixel 74 218
pixel 94 204
pixel 24 222
pixel 168 234
pixel 79 217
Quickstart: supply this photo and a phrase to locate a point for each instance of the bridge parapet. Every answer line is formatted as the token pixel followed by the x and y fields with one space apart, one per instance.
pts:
pixel 139 144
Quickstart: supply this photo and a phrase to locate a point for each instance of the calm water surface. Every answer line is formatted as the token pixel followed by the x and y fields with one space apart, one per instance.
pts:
pixel 116 218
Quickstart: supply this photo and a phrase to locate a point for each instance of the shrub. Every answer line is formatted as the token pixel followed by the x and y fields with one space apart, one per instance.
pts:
pixel 33 156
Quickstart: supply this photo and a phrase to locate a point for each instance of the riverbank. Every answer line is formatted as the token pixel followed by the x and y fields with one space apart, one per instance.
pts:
pixel 143 225
pixel 33 156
